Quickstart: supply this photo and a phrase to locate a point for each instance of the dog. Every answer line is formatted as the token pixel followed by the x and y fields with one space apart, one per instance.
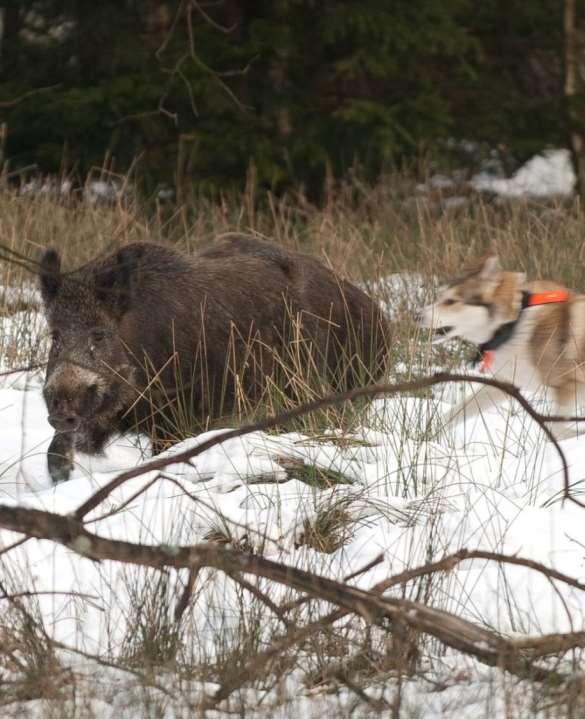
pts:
pixel 531 334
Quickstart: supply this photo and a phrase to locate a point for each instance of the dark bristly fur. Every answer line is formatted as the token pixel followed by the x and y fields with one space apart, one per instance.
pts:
pixel 135 328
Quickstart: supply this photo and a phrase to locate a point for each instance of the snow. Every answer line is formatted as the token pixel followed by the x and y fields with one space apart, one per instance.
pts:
pixel 93 192
pixel 493 484
pixel 26 294
pixel 46 186
pixel 548 174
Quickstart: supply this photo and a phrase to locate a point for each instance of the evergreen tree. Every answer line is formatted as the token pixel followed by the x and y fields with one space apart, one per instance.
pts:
pixel 296 88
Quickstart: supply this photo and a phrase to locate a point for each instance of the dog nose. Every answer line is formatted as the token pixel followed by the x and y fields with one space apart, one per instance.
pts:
pixel 64 422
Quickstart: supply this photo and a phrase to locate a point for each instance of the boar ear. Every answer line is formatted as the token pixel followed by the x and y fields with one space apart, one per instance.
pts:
pixel 50 274
pixel 115 283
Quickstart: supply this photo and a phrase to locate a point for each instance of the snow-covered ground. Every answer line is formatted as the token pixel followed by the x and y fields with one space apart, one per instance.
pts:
pixel 493 485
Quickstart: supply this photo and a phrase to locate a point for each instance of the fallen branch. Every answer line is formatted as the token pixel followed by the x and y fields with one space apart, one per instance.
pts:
pixel 460 634
pixel 534 646
pixel 452 560
pixel 550 644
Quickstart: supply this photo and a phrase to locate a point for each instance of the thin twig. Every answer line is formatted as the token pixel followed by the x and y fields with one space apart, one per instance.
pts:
pixel 28 368
pixel 195 498
pixel 185 598
pixel 362 570
pixel 261 596
pixel 452 560
pixel 29 93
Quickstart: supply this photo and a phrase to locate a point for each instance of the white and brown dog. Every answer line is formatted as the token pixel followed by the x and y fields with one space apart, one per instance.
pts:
pixel 529 333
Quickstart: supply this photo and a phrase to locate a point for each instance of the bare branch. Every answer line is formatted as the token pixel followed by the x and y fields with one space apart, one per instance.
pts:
pixel 362 570
pixel 460 634
pixel 28 368
pixel 262 597
pixel 183 602
pixel 29 93
pixel 332 400
pixel 550 644
pixel 449 563
pixel 211 21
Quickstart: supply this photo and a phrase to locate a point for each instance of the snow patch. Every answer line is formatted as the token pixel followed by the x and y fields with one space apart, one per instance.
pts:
pixel 546 175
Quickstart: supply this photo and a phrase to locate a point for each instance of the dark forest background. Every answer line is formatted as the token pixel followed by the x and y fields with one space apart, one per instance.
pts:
pixel 201 93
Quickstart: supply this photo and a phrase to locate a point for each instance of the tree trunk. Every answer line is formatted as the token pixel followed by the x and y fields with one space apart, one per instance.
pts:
pixel 573 91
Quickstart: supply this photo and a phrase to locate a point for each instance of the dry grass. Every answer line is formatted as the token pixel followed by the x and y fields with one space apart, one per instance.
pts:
pixel 363 232
pixel 331 528
pixel 221 534
pixel 311 474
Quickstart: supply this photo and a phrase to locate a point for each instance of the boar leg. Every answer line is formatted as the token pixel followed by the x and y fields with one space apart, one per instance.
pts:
pixel 92 439
pixel 60 456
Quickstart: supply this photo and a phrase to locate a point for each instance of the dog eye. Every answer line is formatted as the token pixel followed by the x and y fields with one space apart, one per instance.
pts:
pixel 55 336
pixel 477 302
pixel 449 302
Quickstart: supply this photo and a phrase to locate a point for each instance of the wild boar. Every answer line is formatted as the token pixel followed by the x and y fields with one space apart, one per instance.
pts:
pixel 139 330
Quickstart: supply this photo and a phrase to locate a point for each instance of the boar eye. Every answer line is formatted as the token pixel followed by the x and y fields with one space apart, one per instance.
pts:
pixel 449 302
pixel 55 337
pixel 97 336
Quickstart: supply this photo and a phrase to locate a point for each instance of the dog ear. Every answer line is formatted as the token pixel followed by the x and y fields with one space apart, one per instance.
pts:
pixel 489 267
pixel 519 280
pixel 115 283
pixel 50 275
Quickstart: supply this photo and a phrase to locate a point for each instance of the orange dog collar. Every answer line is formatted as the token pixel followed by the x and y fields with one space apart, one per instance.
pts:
pixel 545 298
pixel 530 300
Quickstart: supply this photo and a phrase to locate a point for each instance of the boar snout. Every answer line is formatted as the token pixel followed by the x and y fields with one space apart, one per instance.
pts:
pixel 64 422
pixel 71 400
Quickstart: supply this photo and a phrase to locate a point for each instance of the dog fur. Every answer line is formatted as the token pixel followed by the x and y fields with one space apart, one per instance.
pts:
pixel 545 346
